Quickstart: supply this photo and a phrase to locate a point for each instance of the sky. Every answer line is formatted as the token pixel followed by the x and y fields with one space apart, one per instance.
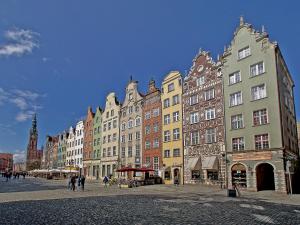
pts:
pixel 57 57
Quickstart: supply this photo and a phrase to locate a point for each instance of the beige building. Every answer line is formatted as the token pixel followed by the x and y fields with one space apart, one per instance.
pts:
pixel 298 130
pixel 172 147
pixel 110 136
pixel 131 127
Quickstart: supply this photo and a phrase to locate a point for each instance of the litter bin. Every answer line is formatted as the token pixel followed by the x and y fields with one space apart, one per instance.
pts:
pixel 232 193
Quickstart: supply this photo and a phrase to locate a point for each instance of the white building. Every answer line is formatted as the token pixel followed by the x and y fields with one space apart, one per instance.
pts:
pixel 70 159
pixel 79 145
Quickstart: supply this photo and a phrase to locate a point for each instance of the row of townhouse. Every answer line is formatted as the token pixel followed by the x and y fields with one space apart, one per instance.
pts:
pixel 227 122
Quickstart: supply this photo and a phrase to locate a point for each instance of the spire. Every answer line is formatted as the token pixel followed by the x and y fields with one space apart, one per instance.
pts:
pixel 263 30
pixel 241 21
pixel 34 124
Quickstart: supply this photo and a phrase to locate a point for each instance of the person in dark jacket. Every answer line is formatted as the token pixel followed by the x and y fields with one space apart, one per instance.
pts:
pixel 82 180
pixel 73 181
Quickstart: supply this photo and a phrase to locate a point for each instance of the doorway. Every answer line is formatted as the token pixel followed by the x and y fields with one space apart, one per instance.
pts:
pixel 265 177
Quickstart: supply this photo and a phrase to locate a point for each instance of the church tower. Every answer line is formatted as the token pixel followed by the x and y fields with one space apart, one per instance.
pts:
pixel 32 155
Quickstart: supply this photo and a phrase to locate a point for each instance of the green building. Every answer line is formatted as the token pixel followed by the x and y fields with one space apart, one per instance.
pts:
pixel 260 120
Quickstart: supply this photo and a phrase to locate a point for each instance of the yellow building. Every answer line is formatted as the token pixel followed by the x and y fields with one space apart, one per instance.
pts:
pixel 172 128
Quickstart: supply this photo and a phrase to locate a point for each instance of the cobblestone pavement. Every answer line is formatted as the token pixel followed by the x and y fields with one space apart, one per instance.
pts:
pixel 143 205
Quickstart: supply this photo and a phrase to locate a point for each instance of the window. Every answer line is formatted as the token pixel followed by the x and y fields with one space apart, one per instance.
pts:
pixel 123 127
pixel 210 135
pixel 114 150
pixel 243 53
pixel 104 139
pixel 137 150
pixel 260 117
pixel 235 77
pixel 130 96
pixel 137 121
pixel 176 152
pixel 147 115
pixel 176 134
pixel 138 135
pixel 108 138
pixel 167 119
pixel 155 112
pixel 238 144
pixel 129 137
pixel 257 69
pixel 104 127
pixel 129 151
pixel 194 117
pixel 130 109
pixel 107 114
pixel 114 137
pixel 104 152
pixel 167 136
pixel 147 145
pixel 137 109
pixel 115 124
pixel 210 114
pixel 112 112
pixel 237 122
pixel 200 81
pixel 155 163
pixel 109 125
pixel 258 92
pixel 124 113
pixel 209 94
pixel 175 99
pixel 155 127
pixel 156 143
pixel 166 103
pixel 148 160
pixel 147 129
pixel 236 99
pixel 193 99
pixel 171 87
pixel 108 151
pixel 167 154
pixel 123 138
pixel 262 141
pixel 123 152
pixel 195 138
pixel 130 124
pixel 176 116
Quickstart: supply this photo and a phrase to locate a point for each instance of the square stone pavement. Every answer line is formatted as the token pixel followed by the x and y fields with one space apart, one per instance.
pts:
pixel 39 201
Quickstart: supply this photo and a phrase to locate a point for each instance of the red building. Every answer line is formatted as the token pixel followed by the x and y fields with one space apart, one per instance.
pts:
pixel 6 162
pixel 34 156
pixel 88 142
pixel 152 143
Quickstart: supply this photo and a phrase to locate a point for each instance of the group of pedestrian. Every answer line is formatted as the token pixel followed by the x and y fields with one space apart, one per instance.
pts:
pixel 72 182
pixel 9 174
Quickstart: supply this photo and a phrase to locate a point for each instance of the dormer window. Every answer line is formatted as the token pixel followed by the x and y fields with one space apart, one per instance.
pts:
pixel 130 96
pixel 243 53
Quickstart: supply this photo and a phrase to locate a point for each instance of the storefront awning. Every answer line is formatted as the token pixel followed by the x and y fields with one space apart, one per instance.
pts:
pixel 193 163
pixel 210 163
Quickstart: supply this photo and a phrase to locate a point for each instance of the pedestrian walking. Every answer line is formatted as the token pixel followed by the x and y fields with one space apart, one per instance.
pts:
pixel 78 183
pixel 105 181
pixel 73 181
pixel 82 180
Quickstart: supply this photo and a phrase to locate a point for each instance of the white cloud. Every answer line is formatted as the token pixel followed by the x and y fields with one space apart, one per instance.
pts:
pixel 26 101
pixel 20 103
pixel 19 156
pixel 20 42
pixel 24 115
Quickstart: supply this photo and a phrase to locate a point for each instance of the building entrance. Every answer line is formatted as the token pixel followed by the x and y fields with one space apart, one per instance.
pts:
pixel 239 175
pixel 265 177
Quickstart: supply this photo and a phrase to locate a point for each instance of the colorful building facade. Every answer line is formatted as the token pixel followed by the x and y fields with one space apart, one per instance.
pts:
pixel 131 127
pixel 97 143
pixel 261 141
pixel 6 162
pixel 110 136
pixel 203 126
pixel 152 129
pixel 171 97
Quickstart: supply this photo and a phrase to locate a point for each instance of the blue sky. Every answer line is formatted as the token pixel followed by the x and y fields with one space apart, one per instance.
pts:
pixel 58 57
